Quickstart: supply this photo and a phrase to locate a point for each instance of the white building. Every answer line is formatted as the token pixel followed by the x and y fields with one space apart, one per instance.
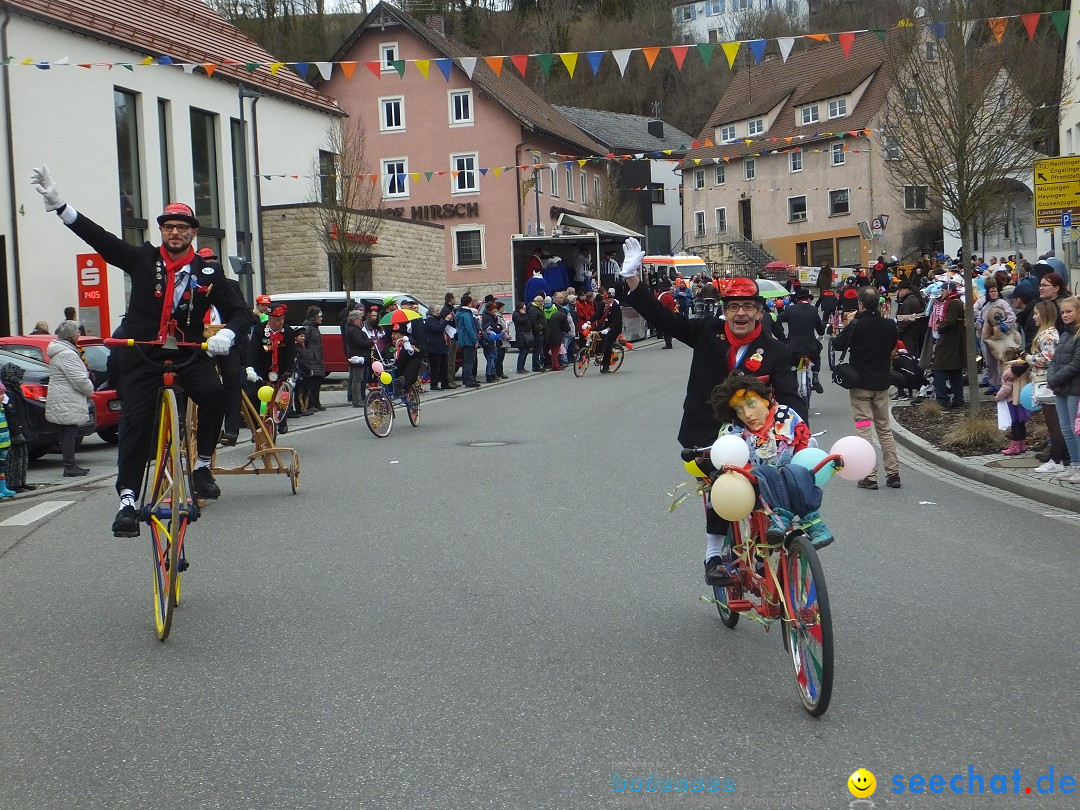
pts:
pixel 722 20
pixel 1069 121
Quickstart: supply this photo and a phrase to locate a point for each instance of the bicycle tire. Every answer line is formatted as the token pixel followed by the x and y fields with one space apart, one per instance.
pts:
pixel 808 626
pixel 618 354
pixel 412 403
pixel 279 407
pixel 805 378
pixel 728 617
pixel 581 364
pixel 379 413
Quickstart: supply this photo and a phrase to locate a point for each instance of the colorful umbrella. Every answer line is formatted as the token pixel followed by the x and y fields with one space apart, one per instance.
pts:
pixel 399 316
pixel 771 289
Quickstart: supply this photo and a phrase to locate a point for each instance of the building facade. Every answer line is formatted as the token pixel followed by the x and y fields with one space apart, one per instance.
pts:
pixel 723 20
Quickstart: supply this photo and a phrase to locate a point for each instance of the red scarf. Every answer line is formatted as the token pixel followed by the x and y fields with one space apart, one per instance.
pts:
pixel 737 343
pixel 171 266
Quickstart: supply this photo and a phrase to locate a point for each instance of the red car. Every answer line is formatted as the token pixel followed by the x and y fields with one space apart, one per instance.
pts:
pixel 106 403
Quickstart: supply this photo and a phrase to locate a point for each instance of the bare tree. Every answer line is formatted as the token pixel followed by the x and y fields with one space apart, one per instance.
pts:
pixel 345 217
pixel 957 124
pixel 612 204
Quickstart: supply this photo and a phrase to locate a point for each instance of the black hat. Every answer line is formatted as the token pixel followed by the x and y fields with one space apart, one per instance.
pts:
pixel 801 294
pixel 489 298
pixel 903 284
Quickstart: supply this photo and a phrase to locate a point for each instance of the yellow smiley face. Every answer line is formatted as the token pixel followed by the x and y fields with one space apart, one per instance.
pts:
pixel 862 784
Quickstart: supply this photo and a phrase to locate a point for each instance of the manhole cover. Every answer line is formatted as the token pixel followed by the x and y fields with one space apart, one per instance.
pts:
pixel 486 444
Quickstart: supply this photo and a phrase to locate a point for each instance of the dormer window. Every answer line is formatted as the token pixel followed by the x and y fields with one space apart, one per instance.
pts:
pixel 727 134
pixel 755 127
pixel 809 114
pixel 388 54
pixel 837 107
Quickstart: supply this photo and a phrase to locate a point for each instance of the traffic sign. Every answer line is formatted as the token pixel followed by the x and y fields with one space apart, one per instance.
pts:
pixel 1057 190
pixel 1066 219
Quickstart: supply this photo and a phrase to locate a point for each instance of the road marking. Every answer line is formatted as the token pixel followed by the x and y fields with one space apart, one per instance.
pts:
pixel 35 513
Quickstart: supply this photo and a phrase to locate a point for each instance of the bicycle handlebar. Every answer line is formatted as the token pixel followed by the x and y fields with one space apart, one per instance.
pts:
pixel 113 343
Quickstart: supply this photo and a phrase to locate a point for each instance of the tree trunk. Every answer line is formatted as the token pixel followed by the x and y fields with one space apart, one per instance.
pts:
pixel 969 324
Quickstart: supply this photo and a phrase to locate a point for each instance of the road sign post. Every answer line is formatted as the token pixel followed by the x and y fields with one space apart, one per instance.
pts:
pixel 1057 191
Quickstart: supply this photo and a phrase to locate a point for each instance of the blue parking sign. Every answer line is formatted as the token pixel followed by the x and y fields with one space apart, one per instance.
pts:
pixel 1066 219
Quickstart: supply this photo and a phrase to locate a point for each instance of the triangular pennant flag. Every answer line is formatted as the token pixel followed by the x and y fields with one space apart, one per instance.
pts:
pixel 468 64
pixel 937 29
pixel 444 66
pixel 818 37
pixel 1031 22
pixel 650 55
pixel 268 177
pixel 276 66
pixel 581 163
pixel 147 61
pixel 495 63
pixel 187 67
pixel 301 68
pixel 709 142
pixel 423 65
pixel 545 60
pixel 498 170
pixel 594 57
pixel 1061 21
pixel 414 176
pixel 164 60
pixel 399 66
pixel 251 67
pixel 997 26
pixel 483 172
pixel 569 61
pixel 64 60
pixel 324 70
pixel 348 68
pixel 43 66
pixel 622 56
pixel 520 61
pixel 757 48
pixel 786 44
pixel 429 175
pixel 731 50
pixel 968 27
pixel 209 67
pixel 705 49
pixel 375 68
pixel 880 33
pixel 847 39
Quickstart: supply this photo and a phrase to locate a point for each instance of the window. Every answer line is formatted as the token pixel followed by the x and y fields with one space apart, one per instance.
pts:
pixel 392 115
pixel 239 183
pixel 727 133
pixel 931 51
pixel 699 178
pixel 796 209
pixel 795 158
pixel 388 54
pixel 809 115
pixel 469 246
pixel 554 169
pixel 892 148
pixel 821 250
pixel 461 109
pixel 584 188
pixel 837 107
pixel 715 34
pixel 685 13
pixel 915 198
pixel 538 174
pixel 699 224
pixel 838 202
pixel 749 169
pixel 911 99
pixel 395 173
pixel 204 164
pixel 164 150
pixel 741 5
pixel 714 7
pixel 596 190
pixel 656 193
pixel 721 220
pixel 755 127
pixel 838 154
pixel 129 176
pixel 569 183
pixel 463 173
pixel 720 175
pixel 328 176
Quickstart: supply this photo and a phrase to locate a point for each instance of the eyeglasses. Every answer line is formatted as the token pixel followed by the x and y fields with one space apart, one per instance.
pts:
pixel 745 306
pixel 181 229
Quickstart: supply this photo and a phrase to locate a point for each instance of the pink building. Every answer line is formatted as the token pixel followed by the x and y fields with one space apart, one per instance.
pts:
pixel 447 146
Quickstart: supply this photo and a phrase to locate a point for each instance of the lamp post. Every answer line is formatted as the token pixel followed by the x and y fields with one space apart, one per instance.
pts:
pixel 246 267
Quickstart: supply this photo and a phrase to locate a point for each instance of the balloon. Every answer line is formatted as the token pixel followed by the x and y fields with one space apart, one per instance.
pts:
pixel 377 367
pixel 283 398
pixel 729 451
pixel 266 393
pixel 732 496
pixel 694 469
pixel 810 457
pixel 1027 400
pixel 858 455
pixel 385 378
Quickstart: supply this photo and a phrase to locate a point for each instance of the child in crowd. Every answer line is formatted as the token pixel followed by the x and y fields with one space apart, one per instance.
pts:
pixel 5 444
pixel 1013 379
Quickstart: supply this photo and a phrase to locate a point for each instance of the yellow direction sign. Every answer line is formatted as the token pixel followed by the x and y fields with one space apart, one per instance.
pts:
pixel 1057 190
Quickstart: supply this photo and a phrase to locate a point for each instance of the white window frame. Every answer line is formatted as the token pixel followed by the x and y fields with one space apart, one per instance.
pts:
pixel 794 158
pixel 455 182
pixel 837 154
pixel 809 115
pixel 483 246
pixel 569 183
pixel 755 126
pixel 386 193
pixel 584 177
pixel 699 224
pixel 749 169
pixel 451 97
pixel 832 211
pixel 727 133
pixel 791 215
pixel 388 49
pixel 384 102
pixel 721 175
pixel 699 178
pixel 554 171
pixel 837 107
pixel 914 198
pixel 720 217
pixel 598 188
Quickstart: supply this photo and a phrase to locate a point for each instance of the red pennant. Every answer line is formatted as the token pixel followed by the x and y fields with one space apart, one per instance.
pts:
pixel 1031 22
pixel 847 39
pixel 521 62
pixel 679 52
pixel 375 68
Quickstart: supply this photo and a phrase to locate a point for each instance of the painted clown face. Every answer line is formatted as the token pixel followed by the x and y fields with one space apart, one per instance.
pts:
pixel 751 409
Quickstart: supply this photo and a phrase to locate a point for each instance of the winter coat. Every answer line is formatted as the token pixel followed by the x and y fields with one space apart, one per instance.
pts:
pixel 538 321
pixel 558 325
pixel 69 386
pixel 911 332
pixel 434 329
pixel 357 343
pixel 17 416
pixel 522 328
pixel 313 342
pixel 803 322
pixel 1063 376
pixel 950 351
pixel 466 327
pixel 870 340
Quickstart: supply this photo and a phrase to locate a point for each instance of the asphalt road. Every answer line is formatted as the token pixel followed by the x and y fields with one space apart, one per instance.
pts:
pixel 497 610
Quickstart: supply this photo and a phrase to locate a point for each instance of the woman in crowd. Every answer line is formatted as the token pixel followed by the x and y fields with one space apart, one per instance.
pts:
pixel 1063 378
pixel 998 332
pixel 69 393
pixel 524 333
pixel 1042 353
pixel 1052 288
pixel 491 329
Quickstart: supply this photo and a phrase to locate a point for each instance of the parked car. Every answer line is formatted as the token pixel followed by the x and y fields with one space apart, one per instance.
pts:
pixel 35 387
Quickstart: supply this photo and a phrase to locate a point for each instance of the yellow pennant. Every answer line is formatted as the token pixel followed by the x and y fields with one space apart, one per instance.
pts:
pixel 570 60
pixel 423 65
pixel 731 50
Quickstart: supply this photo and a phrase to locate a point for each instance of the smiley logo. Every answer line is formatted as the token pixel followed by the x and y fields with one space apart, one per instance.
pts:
pixel 862 784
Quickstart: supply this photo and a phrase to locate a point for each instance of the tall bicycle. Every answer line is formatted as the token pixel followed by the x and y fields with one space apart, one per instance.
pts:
pixel 804 377
pixel 590 355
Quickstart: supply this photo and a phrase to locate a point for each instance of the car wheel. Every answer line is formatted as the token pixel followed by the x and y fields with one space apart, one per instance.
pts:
pixel 109 435
pixel 35 453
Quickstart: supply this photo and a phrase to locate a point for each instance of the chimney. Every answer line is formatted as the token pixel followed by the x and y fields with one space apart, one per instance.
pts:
pixel 656 129
pixel 436 22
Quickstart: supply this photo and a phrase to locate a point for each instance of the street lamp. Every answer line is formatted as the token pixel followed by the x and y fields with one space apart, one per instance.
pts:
pixel 245 263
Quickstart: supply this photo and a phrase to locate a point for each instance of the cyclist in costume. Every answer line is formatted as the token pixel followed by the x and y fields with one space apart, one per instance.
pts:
pixel 720 347
pixel 804 325
pixel 272 356
pixel 169 284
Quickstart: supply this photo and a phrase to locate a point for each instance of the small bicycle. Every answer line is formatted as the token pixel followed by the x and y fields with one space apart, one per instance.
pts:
pixel 591 355
pixel 379 402
pixel 779 581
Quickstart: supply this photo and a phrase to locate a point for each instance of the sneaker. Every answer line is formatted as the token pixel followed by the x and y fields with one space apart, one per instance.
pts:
pixel 126 522
pixel 892 481
pixel 1049 467
pixel 1065 474
pixel 717 575
pixel 204 484
pixel 868 483
pixel 75 471
pixel 1075 478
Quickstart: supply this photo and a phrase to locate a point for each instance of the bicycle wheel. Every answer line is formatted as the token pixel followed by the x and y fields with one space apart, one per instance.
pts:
pixel 617 355
pixel 729 617
pixel 808 628
pixel 804 381
pixel 412 403
pixel 581 363
pixel 379 413
pixel 279 406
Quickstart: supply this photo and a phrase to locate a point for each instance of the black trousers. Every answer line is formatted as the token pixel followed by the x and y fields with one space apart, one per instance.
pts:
pixel 233 376
pixel 69 437
pixel 141 383
pixel 313 390
pixel 437 363
pixel 607 343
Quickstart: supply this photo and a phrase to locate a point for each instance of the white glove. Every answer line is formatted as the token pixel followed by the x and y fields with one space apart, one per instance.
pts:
pixel 632 256
pixel 221 342
pixel 407 346
pixel 356 360
pixel 46 187
pixel 604 331
pixel 252 377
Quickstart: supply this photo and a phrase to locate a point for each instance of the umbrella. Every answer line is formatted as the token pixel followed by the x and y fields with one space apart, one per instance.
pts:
pixel 771 289
pixel 778 265
pixel 399 316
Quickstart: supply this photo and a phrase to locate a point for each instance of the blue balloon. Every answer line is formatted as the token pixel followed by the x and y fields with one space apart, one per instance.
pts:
pixel 1026 400
pixel 810 457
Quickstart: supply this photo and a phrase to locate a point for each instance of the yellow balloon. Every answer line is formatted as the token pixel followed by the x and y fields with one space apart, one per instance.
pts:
pixel 694 469
pixel 266 393
pixel 732 496
pixel 385 378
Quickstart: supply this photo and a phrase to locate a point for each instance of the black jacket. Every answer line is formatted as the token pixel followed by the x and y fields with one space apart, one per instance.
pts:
pixel 870 341
pixel 260 354
pixel 803 323
pixel 612 317
pixel 357 343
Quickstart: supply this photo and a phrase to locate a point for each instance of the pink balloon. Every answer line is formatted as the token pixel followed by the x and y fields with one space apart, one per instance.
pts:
pixel 377 367
pixel 859 457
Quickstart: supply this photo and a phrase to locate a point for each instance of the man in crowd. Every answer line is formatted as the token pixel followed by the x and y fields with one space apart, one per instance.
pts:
pixel 448 315
pixel 610 326
pixel 804 326
pixel 271 357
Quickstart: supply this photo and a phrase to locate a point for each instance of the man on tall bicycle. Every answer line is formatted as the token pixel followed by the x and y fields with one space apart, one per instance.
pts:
pixel 804 325
pixel 170 285
pixel 721 346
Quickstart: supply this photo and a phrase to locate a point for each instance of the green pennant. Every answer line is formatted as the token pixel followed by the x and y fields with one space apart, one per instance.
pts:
pixel 545 60
pixel 1061 22
pixel 251 67
pixel 880 33
pixel 399 66
pixel 429 175
pixel 706 49
pixel 126 66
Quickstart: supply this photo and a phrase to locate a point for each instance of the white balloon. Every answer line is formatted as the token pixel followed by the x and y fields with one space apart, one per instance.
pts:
pixel 729 451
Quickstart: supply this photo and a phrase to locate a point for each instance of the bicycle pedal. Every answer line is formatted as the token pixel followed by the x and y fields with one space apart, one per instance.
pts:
pixel 739 605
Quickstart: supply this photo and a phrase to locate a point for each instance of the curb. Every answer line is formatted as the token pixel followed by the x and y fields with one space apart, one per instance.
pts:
pixel 958 466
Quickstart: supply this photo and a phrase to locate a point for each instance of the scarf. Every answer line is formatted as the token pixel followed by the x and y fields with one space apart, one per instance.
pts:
pixel 171 266
pixel 736 343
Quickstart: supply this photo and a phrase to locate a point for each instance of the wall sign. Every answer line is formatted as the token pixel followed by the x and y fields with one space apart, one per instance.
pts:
pixel 93 294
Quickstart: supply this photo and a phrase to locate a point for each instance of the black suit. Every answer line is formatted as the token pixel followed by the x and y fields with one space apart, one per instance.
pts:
pixel 612 321
pixel 207 287
pixel 803 325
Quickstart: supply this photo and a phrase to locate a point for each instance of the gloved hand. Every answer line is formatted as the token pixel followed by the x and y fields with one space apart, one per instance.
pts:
pixel 407 346
pixel 46 187
pixel 604 331
pixel 356 360
pixel 221 342
pixel 252 377
pixel 632 256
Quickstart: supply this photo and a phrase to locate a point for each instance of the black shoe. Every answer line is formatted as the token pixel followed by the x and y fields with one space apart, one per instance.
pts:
pixel 472 385
pixel 892 480
pixel 74 471
pixel 868 483
pixel 204 484
pixel 26 488
pixel 283 428
pixel 503 377
pixel 605 371
pixel 320 407
pixel 1042 457
pixel 717 575
pixel 665 347
pixel 229 439
pixel 126 522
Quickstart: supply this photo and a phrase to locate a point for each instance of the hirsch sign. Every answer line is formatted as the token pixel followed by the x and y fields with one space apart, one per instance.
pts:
pixel 1057 190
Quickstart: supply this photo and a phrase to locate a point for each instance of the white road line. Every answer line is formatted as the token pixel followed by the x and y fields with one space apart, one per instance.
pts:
pixel 35 513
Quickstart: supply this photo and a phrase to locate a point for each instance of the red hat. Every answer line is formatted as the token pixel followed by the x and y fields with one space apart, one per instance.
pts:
pixel 279 311
pixel 178 211
pixel 263 299
pixel 735 288
pixel 207 253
